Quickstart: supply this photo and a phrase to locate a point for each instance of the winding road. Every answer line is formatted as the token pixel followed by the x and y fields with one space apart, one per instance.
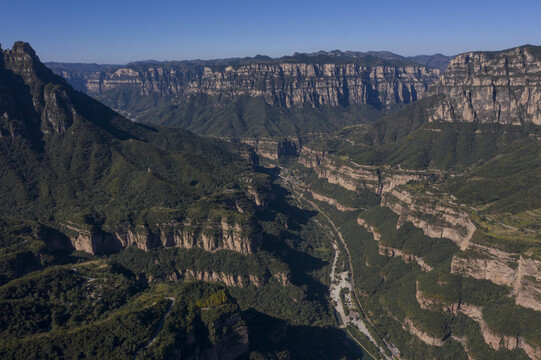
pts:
pixel 158 329
pixel 346 281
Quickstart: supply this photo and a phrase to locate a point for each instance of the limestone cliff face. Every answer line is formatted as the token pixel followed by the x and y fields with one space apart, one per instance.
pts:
pixel 211 236
pixel 436 221
pixel 352 176
pixel 393 252
pixel 491 87
pixel 497 341
pixel 520 273
pixel 452 224
pixel 428 303
pixel 240 281
pixel 389 251
pixel 274 149
pixel 280 84
pixel 30 101
pixel 331 201
pixel 409 326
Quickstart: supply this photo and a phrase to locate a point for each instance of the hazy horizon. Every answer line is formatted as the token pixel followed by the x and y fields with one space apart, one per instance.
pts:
pixel 121 32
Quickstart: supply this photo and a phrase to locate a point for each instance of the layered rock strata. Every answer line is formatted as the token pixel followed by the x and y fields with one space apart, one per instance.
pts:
pixel 497 341
pixel 331 201
pixel 435 220
pixel 280 84
pixel 493 339
pixel 491 87
pixel 274 149
pixel 521 273
pixel 220 235
pixel 389 251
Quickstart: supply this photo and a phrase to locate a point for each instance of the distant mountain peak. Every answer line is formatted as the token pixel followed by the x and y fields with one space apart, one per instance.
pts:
pixel 48 97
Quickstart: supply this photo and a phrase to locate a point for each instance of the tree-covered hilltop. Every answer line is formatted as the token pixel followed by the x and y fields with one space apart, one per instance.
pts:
pixel 74 165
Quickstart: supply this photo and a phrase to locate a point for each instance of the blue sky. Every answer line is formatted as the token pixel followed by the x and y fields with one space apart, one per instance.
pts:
pixel 119 31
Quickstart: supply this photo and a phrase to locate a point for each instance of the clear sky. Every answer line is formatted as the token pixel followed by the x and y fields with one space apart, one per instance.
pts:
pixel 119 31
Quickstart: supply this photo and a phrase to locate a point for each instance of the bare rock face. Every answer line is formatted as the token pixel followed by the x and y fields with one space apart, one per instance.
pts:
pixel 491 87
pixel 408 258
pixel 410 327
pixel 428 303
pixel 274 149
pixel 451 224
pixel 497 341
pixel 212 236
pixel 331 201
pixel 280 84
pixel 50 101
pixel 520 273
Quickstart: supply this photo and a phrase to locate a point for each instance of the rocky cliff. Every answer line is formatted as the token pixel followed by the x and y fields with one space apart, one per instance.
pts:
pixel 211 236
pixel 285 84
pixel 491 87
pixel 496 341
pixel 519 272
pixel 274 149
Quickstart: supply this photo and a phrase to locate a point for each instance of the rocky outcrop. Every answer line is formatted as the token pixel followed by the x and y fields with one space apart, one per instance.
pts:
pixel 410 327
pixel 274 149
pixel 371 229
pixel 497 341
pixel 34 94
pixel 284 84
pixel 429 303
pixel 491 87
pixel 228 340
pixel 331 201
pixel 521 273
pixel 283 278
pixel 435 220
pixel 355 177
pixel 239 281
pixel 212 236
pixel 393 252
pixel 229 336
pixel 212 276
pixel 389 251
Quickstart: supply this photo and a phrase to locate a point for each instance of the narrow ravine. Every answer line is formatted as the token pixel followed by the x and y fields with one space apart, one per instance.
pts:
pixel 345 281
pixel 158 329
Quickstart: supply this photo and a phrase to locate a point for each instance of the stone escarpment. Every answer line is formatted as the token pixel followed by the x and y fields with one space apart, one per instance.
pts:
pixel 435 220
pixel 274 149
pixel 240 281
pixel 496 341
pixel 36 103
pixel 521 273
pixel 393 252
pixel 331 201
pixel 409 326
pixel 285 84
pixel 491 87
pixel 211 236
pixel 352 176
pixel 428 303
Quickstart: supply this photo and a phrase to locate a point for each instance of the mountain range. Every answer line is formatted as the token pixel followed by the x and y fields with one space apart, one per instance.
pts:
pixel 345 205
